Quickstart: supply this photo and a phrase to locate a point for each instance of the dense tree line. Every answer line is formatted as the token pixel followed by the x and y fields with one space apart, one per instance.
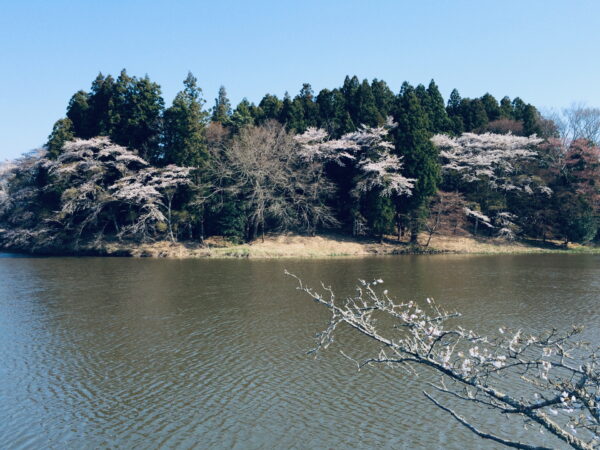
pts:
pixel 357 158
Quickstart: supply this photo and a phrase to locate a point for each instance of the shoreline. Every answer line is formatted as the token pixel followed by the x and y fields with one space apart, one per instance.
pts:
pixel 280 246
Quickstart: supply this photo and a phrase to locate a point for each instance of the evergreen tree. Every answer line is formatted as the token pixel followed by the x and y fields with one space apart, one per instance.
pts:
pixel 380 213
pixel 242 115
pixel 332 113
pixel 530 118
pixel 453 110
pixel 454 103
pixel 473 114
pixel 222 110
pixel 184 126
pixel 291 113
pixel 62 132
pixel 384 97
pixel 271 107
pixel 518 107
pixel 506 108
pixel 492 109
pixel 420 157
pixel 78 112
pixel 367 112
pixel 438 117
pixel 350 92
pixel 135 115
pixel 101 102
pixel 307 109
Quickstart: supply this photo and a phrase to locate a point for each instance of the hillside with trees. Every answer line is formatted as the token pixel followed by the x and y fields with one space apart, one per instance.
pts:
pixel 358 159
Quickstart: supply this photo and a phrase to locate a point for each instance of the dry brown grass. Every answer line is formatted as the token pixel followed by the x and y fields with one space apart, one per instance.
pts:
pixel 297 246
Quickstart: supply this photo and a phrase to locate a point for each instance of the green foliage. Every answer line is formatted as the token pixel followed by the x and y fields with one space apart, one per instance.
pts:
pixel 271 107
pixel 420 157
pixel 333 116
pixel 230 219
pixel 62 132
pixel 222 110
pixel 439 122
pixel 384 97
pixel 380 213
pixel 366 107
pixel 78 112
pixel 308 109
pixel 242 116
pixel 184 125
pixel 576 219
pixel 506 108
pixel 491 107
pixel 135 115
pixel 291 114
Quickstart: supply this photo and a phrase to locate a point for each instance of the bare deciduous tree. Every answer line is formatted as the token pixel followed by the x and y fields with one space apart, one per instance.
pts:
pixel 548 381
pixel 446 214
pixel 577 122
pixel 266 169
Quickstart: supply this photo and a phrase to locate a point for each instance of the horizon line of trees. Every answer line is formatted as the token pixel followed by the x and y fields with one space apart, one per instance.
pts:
pixel 358 158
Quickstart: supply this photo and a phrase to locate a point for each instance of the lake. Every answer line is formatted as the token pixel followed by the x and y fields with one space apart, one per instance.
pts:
pixel 146 353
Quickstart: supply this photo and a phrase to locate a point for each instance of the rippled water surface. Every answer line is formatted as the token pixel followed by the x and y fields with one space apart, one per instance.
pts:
pixel 124 353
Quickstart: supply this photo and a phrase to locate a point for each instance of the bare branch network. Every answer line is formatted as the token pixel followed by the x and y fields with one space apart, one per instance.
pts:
pixel 558 377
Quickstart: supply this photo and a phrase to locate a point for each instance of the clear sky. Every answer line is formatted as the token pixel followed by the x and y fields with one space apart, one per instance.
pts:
pixel 545 51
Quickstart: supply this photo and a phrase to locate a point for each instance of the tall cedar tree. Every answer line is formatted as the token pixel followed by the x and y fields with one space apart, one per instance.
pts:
pixel 62 132
pixel 453 110
pixel 184 126
pixel 420 157
pixel 384 97
pixel 135 115
pixel 101 104
pixel 221 112
pixel 333 116
pixel 366 108
pixel 291 114
pixel 242 116
pixel 78 112
pixel 309 109
pixel 270 106
pixel 439 122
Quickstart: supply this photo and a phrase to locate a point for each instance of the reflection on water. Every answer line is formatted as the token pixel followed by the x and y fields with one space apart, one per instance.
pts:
pixel 107 352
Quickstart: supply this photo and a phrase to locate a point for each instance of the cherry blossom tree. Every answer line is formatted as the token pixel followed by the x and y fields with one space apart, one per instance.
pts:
pixel 152 190
pixel 367 155
pixel 548 382
pixel 494 159
pixel 92 184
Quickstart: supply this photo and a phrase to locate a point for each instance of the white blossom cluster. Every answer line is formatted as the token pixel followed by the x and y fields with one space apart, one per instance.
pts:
pixel 478 215
pixel 496 159
pixel 99 183
pixel 315 145
pixel 366 148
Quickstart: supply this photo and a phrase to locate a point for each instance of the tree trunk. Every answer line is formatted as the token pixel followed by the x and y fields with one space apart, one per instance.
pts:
pixel 428 239
pixel 169 219
pixel 414 235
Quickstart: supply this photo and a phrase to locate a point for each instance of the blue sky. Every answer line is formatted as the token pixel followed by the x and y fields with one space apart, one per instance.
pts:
pixel 544 51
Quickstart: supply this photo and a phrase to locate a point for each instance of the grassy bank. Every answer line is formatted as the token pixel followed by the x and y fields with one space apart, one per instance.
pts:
pixel 295 246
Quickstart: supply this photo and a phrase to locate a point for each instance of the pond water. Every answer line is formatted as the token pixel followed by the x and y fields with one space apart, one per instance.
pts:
pixel 123 353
